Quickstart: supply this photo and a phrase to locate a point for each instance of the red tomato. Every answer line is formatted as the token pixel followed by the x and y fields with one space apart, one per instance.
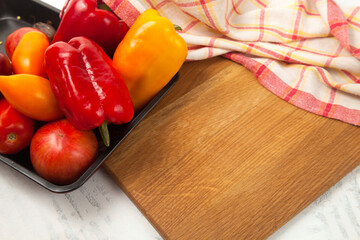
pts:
pixel 5 65
pixel 13 39
pixel 60 153
pixel 16 129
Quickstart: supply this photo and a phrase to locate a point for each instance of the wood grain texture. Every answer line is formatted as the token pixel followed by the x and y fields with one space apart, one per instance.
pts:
pixel 220 157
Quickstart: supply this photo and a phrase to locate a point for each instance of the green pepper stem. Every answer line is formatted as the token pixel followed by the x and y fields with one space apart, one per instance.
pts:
pixel 104 132
pixel 177 27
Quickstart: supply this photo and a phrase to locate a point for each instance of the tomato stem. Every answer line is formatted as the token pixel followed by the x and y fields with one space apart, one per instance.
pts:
pixel 11 137
pixel 104 132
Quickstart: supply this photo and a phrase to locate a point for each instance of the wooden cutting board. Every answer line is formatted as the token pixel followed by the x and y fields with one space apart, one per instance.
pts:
pixel 221 157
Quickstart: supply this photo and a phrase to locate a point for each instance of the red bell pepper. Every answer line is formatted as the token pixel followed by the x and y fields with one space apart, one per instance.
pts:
pixel 83 18
pixel 89 89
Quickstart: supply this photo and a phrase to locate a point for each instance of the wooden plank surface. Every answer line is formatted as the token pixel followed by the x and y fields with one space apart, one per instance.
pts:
pixel 221 157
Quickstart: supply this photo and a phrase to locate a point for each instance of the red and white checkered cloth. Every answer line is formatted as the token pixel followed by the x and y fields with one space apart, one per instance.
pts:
pixel 305 51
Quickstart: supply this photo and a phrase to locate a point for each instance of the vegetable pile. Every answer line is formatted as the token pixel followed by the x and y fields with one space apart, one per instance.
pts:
pixel 93 70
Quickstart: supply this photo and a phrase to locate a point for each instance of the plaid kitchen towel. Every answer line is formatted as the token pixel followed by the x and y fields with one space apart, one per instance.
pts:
pixel 305 51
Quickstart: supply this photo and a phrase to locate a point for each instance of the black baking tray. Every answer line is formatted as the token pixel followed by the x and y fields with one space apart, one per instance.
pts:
pixel 21 13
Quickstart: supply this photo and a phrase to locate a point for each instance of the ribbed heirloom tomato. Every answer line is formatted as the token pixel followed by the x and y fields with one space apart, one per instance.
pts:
pixel 16 130
pixel 60 153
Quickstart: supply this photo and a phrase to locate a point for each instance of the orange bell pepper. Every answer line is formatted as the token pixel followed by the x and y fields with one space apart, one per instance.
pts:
pixel 28 56
pixel 31 95
pixel 150 54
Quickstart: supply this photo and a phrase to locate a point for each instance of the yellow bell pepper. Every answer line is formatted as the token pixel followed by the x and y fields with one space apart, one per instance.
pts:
pixel 150 54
